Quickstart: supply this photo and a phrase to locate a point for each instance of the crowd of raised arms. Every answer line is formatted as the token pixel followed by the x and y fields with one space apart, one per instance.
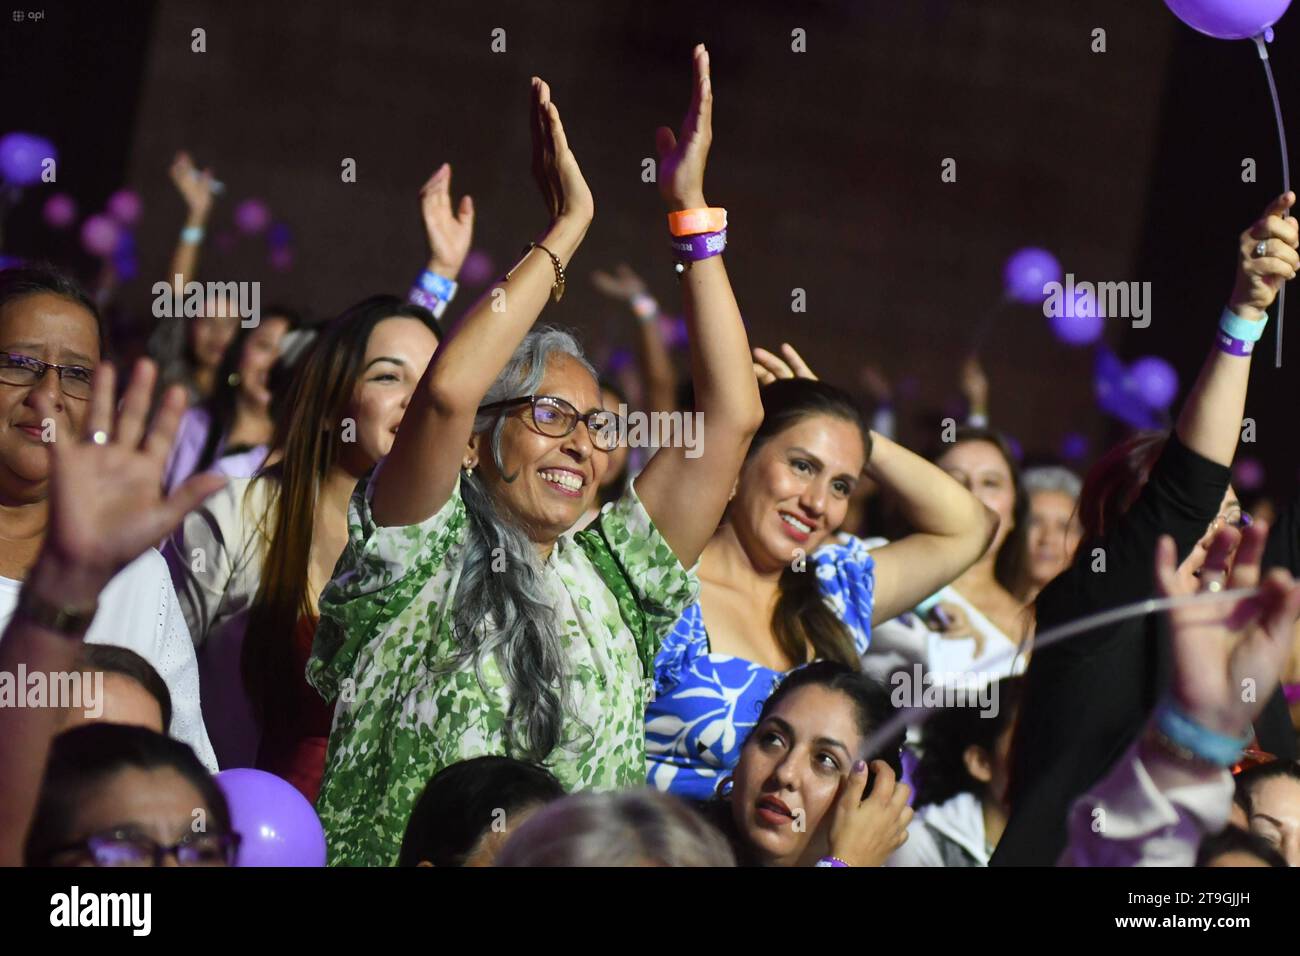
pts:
pixel 498 635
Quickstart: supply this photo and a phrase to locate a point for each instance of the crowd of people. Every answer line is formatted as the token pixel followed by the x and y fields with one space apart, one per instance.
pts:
pixel 406 560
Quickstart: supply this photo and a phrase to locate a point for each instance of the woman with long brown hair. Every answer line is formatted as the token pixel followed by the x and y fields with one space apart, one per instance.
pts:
pixel 249 564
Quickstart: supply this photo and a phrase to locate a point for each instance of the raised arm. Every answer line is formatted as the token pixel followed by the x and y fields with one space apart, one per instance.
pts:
pixel 105 511
pixel 1210 422
pixel 450 232
pixel 654 363
pixel 418 476
pixel 685 496
pixel 197 190
pixel 952 529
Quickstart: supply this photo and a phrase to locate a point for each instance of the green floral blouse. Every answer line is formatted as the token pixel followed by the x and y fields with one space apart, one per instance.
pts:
pixel 383 638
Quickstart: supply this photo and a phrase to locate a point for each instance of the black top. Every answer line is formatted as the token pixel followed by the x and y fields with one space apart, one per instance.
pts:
pixel 1087 698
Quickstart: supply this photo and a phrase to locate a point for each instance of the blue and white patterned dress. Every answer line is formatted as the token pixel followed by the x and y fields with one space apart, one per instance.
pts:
pixel 706 704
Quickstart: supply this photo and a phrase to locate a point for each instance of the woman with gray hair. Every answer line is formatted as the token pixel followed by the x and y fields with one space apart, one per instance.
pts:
pixel 462 620
pixel 636 828
pixel 1054 528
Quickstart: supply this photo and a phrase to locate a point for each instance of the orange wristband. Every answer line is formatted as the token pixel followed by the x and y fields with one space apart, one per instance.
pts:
pixel 694 222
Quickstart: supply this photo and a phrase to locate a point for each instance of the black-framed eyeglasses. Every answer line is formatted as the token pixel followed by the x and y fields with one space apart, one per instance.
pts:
pixel 23 370
pixel 554 417
pixel 124 848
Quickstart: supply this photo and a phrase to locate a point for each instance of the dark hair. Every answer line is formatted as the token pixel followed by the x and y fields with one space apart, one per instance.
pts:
pixel 83 758
pixel 457 806
pixel 222 403
pixel 1009 565
pixel 1246 781
pixel 941 772
pixel 801 616
pixel 320 393
pixel 1236 840
pixel 41 278
pixel 1114 482
pixel 872 709
pixel 112 659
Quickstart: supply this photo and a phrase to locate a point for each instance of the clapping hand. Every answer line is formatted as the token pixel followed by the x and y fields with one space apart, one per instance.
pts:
pixel 450 232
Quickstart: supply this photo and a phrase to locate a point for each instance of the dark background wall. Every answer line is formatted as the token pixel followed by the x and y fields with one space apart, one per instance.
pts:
pixel 1126 164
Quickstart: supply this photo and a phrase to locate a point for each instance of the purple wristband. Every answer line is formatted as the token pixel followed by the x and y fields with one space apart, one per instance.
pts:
pixel 702 246
pixel 428 300
pixel 830 861
pixel 1231 345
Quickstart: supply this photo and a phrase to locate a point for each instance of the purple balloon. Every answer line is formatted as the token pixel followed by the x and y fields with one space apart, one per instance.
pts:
pixel 477 268
pixel 1248 474
pixel 1229 19
pixel 1117 395
pixel 60 211
pixel 276 823
pixel 1155 381
pixel 279 235
pixel 1079 322
pixel 124 206
pixel 1026 272
pixel 22 156
pixel 252 216
pixel 100 235
pixel 1074 447
pixel 281 259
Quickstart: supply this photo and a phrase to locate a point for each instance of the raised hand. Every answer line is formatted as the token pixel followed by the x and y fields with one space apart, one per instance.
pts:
pixel 768 367
pixel 554 166
pixel 682 157
pixel 450 231
pixel 974 385
pixel 1221 650
pixel 623 284
pixel 195 187
pixel 865 831
pixel 1259 277
pixel 106 503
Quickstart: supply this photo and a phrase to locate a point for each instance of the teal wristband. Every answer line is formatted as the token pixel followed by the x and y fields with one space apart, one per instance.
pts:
pixel 1204 744
pixel 1241 329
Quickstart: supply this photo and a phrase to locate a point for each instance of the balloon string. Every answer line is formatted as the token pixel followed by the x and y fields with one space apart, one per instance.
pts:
pixel 1286 176
pixel 967 694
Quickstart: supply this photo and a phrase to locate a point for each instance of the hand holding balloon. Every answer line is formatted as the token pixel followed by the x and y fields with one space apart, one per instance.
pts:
pixel 1259 277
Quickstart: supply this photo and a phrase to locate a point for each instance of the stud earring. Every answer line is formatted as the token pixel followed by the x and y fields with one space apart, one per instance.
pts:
pixel 468 468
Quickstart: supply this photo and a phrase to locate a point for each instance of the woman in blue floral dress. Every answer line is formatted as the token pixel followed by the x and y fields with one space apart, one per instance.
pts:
pixel 775 593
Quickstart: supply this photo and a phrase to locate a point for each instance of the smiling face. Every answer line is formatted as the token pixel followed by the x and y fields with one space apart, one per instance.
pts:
pixel 261 348
pixel 982 470
pixel 396 355
pixel 1054 532
pixel 1275 815
pixel 52 329
pixel 790 772
pixel 555 479
pixel 794 489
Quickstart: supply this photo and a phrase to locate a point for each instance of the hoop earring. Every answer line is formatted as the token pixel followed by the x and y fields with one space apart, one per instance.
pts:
pixel 723 790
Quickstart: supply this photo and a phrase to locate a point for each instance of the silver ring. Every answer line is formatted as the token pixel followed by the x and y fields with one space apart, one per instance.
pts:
pixel 100 437
pixel 1213 586
pixel 1261 249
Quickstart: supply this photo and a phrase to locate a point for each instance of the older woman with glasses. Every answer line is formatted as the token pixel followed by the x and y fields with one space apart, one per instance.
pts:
pixel 50 346
pixel 462 620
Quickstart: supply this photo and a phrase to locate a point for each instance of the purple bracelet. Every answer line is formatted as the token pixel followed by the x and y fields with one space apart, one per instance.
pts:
pixel 1231 345
pixel 702 246
pixel 830 861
